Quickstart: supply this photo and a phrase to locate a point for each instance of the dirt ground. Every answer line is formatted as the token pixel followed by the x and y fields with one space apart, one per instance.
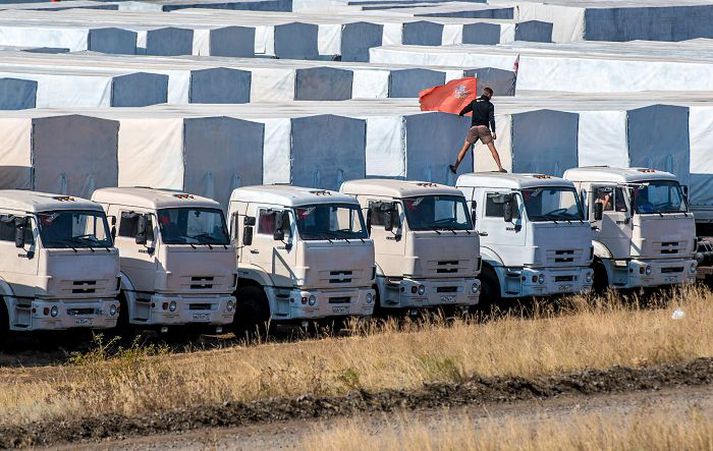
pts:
pixel 289 434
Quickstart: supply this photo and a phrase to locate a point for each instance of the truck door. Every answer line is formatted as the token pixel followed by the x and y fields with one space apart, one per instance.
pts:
pixel 508 237
pixel 18 266
pixel 138 261
pixel 613 227
pixel 388 245
pixel 273 256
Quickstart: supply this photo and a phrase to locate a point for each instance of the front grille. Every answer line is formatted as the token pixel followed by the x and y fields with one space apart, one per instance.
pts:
pixel 446 289
pixel 564 278
pixel 340 277
pixel 84 286
pixel 672 270
pixel 80 311
pixel 564 256
pixel 447 267
pixel 669 251
pixel 340 300
pixel 201 282
pixel 199 307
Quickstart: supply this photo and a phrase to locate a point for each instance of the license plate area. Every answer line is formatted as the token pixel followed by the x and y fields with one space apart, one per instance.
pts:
pixel 448 298
pixel 201 316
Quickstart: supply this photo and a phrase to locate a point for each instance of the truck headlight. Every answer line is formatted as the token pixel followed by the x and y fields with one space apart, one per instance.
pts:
pixel 693 268
pixel 421 290
pixel 312 299
pixel 541 279
pixel 54 311
pixel 474 288
pixel 230 305
pixel 588 277
pixel 112 309
pixel 369 298
pixel 172 306
pixel 648 270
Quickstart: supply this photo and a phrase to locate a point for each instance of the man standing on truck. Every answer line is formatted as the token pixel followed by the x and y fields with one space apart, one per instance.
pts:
pixel 483 116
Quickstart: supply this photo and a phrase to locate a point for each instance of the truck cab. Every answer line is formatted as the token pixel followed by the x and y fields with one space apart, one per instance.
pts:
pixel 427 251
pixel 59 268
pixel 304 254
pixel 534 239
pixel 177 261
pixel 643 232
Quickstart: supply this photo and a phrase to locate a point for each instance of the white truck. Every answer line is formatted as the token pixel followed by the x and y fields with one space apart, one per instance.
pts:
pixel 177 261
pixel 60 269
pixel 534 239
pixel 427 251
pixel 643 233
pixel 304 255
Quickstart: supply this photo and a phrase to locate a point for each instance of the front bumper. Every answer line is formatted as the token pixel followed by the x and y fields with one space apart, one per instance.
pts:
pixel 528 282
pixel 317 304
pixel 424 293
pixel 652 273
pixel 173 310
pixel 62 314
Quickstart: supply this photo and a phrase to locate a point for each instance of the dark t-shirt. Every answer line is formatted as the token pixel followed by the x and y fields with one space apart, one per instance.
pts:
pixel 483 112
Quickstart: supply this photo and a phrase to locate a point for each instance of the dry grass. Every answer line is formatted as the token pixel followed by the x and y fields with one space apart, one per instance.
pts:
pixel 590 335
pixel 665 429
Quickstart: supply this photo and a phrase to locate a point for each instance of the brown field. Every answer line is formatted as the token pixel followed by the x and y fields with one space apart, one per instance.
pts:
pixel 587 334
pixel 664 429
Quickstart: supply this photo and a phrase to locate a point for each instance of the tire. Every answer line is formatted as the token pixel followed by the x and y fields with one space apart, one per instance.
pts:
pixel 600 282
pixel 490 290
pixel 252 313
pixel 4 324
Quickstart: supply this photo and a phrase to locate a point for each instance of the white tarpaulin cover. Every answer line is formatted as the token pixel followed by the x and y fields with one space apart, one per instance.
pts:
pixel 68 154
pixel 183 80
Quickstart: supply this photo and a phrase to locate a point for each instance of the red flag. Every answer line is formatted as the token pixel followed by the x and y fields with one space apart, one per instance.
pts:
pixel 449 98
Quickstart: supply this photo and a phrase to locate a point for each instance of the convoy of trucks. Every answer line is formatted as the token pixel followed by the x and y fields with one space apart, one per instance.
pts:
pixel 169 260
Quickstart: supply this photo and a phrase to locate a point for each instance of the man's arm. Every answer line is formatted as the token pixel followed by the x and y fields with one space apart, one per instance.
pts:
pixel 468 108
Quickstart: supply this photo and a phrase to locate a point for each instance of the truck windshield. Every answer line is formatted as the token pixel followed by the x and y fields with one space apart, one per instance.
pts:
pixel 662 196
pixel 74 229
pixel 437 213
pixel 552 204
pixel 192 226
pixel 330 221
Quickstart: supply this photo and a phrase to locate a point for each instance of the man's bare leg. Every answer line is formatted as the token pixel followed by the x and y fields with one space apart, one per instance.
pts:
pixel 461 156
pixel 496 156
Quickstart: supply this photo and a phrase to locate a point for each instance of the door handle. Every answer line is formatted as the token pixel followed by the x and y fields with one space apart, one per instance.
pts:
pixel 254 251
pixel 483 233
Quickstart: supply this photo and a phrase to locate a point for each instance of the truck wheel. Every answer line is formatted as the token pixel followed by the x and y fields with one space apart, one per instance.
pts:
pixel 490 290
pixel 600 281
pixel 252 313
pixel 4 324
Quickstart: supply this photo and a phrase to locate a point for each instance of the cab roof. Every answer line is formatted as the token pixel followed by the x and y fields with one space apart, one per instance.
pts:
pixel 37 202
pixel 397 189
pixel 512 181
pixel 616 175
pixel 151 198
pixel 289 196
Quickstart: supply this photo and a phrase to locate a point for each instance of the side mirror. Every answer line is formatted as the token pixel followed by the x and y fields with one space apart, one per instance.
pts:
pixel 249 221
pixel 507 208
pixel 389 210
pixel 282 226
pixel 20 224
pixel 142 230
pixel 473 213
pixel 248 235
pixel 598 211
